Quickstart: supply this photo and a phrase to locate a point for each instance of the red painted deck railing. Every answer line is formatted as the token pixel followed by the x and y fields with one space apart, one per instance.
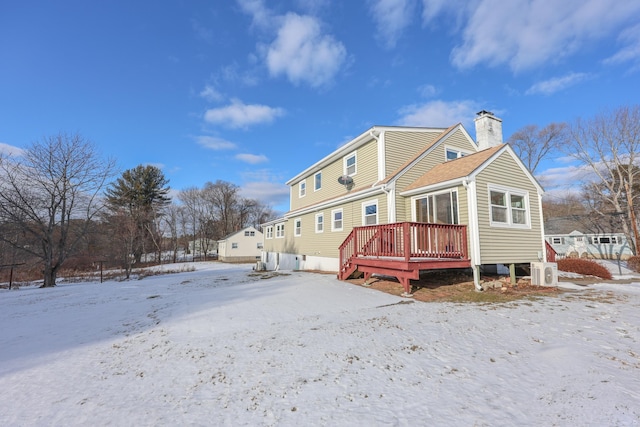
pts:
pixel 551 253
pixel 405 240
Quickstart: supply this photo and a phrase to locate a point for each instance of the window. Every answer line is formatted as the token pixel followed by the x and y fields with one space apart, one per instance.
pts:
pixel 336 220
pixel 317 179
pixel 319 223
pixel 557 240
pixel 370 213
pixel 453 153
pixel 350 164
pixel 302 188
pixel 249 233
pixel 269 232
pixel 234 245
pixel 605 240
pixel 259 245
pixel 439 208
pixel 297 227
pixel 508 207
pixel 279 231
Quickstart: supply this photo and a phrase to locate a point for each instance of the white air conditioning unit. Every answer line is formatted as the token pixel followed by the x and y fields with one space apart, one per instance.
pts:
pixel 544 273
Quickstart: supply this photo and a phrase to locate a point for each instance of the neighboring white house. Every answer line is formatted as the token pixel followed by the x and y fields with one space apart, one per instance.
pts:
pixel 575 237
pixel 242 246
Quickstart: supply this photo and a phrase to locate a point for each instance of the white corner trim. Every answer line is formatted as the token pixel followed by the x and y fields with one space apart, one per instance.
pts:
pixel 474 227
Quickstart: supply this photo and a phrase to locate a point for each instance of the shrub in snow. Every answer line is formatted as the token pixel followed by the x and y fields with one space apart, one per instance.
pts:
pixel 633 263
pixel 584 266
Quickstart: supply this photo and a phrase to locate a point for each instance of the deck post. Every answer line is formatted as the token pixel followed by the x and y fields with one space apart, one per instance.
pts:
pixel 406 235
pixel 512 274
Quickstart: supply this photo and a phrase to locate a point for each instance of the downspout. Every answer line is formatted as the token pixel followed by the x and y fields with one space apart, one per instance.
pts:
pixel 390 191
pixel 474 232
pixel 543 254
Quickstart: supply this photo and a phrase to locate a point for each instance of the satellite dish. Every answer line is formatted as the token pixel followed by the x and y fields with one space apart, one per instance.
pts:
pixel 345 180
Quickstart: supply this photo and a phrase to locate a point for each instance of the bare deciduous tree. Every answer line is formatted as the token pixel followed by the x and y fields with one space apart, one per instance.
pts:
pixel 533 144
pixel 609 145
pixel 51 192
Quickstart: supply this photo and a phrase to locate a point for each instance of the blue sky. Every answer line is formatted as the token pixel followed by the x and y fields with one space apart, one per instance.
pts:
pixel 253 92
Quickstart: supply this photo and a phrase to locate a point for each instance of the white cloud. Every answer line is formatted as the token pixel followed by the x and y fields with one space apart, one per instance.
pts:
pixel 563 180
pixel 431 9
pixel 391 18
pixel 439 114
pixel 211 94
pixel 427 91
pixel 629 53
pixel 262 17
pixel 252 158
pixel 270 193
pixel 557 84
pixel 303 53
pixel 240 115
pixel 10 150
pixel 524 34
pixel 213 143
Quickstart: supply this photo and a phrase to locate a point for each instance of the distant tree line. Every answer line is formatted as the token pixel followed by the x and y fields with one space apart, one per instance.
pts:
pixel 61 207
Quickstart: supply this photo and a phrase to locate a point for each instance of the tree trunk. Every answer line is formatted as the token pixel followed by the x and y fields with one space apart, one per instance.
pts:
pixel 50 274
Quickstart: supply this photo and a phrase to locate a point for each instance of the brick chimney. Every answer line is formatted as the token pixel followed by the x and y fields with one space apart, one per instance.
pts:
pixel 488 130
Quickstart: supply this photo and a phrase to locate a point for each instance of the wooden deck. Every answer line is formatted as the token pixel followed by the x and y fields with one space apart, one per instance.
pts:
pixel 403 249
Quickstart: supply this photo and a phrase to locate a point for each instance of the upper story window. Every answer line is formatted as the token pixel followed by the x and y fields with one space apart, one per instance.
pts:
pixel 454 153
pixel 336 220
pixel 297 227
pixel 370 213
pixel 269 232
pixel 259 245
pixel 317 181
pixel 279 231
pixel 350 164
pixel 557 241
pixel 508 208
pixel 302 188
pixel 319 223
pixel 605 240
pixel 234 245
pixel 249 233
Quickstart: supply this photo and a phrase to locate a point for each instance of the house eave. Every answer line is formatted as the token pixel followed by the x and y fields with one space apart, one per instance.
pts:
pixel 336 201
pixel 434 187
pixel 353 145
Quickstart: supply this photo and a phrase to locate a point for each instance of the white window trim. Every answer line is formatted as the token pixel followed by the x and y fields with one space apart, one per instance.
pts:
pixel 269 232
pixel 297 232
pixel 461 153
pixel 344 163
pixel 319 215
pixel 315 180
pixel 414 214
pixel 280 230
pixel 509 191
pixel 300 186
pixel 333 219
pixel 364 211
pixel 234 245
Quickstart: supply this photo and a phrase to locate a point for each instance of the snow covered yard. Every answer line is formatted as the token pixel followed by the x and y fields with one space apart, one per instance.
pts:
pixel 219 346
